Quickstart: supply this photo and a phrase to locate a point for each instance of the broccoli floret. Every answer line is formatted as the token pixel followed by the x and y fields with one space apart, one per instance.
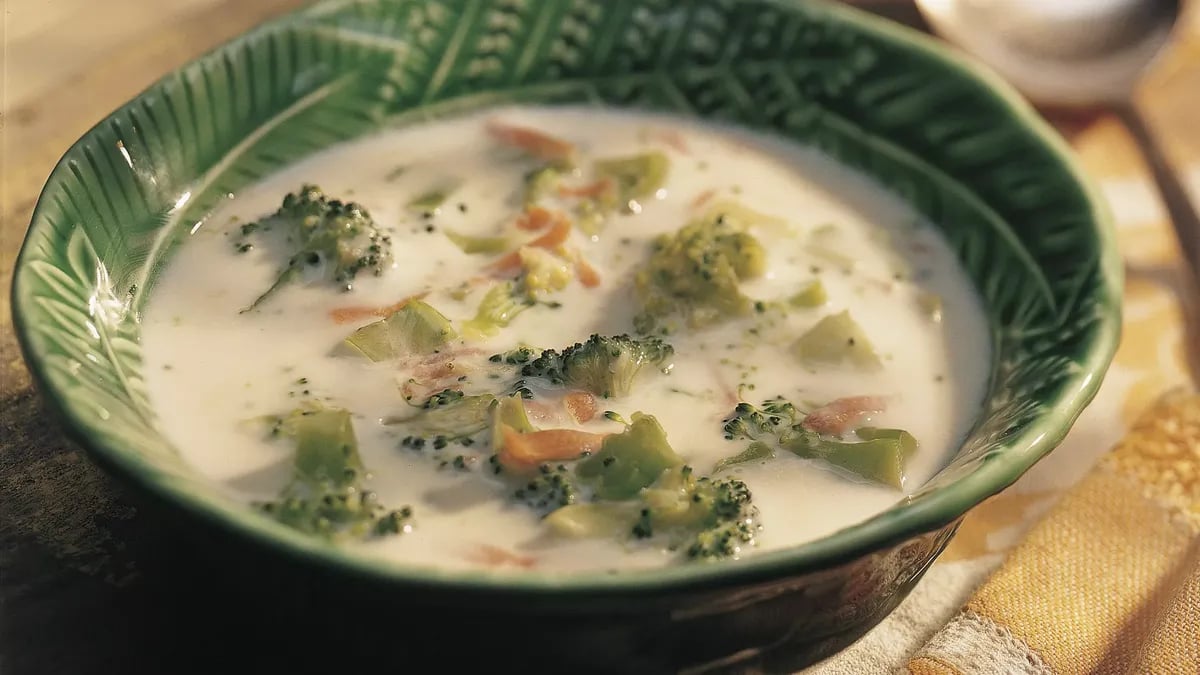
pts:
pixel 712 518
pixel 604 365
pixel 331 239
pixel 751 422
pixel 499 306
pixel 552 488
pixel 693 276
pixel 515 357
pixel 326 496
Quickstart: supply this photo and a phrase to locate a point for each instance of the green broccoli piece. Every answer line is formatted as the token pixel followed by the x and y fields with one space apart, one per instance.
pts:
pixel 416 328
pixel 587 521
pixel 879 457
pixel 509 411
pixel 515 357
pixel 541 183
pixel 446 417
pixel 837 339
pixel 636 177
pixel 331 239
pixel 752 422
pixel 714 519
pixel 630 460
pixel 326 496
pixel 499 306
pixel 552 488
pixel 693 276
pixel 754 452
pixel 605 366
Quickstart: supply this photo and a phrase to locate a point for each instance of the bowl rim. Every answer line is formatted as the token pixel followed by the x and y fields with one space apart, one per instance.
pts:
pixel 940 508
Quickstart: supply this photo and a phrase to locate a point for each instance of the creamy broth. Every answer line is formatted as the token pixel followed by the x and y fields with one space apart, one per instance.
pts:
pixel 213 369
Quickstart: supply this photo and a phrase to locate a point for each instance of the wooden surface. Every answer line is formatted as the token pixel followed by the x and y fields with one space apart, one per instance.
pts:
pixel 88 584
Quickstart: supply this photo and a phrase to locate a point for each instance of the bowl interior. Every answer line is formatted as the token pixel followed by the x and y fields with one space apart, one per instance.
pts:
pixel 949 139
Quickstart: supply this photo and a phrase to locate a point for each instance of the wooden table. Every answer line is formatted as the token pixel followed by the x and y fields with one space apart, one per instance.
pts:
pixel 90 585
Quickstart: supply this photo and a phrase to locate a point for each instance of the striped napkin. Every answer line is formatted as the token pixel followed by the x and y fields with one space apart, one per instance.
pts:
pixel 1108 581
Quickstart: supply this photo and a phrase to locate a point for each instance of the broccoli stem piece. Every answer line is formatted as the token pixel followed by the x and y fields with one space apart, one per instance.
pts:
pixel 879 457
pixel 756 451
pixel 837 339
pixel 499 306
pixel 472 245
pixel 591 521
pixel 637 177
pixel 630 460
pixel 415 328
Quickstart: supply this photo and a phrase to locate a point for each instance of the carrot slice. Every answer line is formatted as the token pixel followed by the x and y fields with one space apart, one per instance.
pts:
pixel 703 197
pixel 596 189
pixel 358 312
pixel 539 218
pixel 494 556
pixel 536 143
pixel 580 405
pixel 588 276
pixel 553 237
pixel 524 452
pixel 837 416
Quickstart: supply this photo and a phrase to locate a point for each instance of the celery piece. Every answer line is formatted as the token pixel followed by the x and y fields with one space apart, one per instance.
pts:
pixel 586 521
pixel 326 447
pixel 880 459
pixel 753 452
pixel 812 295
pixel 836 339
pixel 416 328
pixel 630 460
pixel 472 245
pixel 499 306
pixel 637 176
pixel 509 411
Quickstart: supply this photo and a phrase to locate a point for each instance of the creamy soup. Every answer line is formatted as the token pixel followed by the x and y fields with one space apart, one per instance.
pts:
pixel 565 339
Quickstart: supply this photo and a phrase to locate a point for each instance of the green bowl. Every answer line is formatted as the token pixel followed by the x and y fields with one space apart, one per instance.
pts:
pixel 946 136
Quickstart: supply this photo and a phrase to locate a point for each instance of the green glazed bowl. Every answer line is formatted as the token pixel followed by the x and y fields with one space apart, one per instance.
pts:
pixel 951 139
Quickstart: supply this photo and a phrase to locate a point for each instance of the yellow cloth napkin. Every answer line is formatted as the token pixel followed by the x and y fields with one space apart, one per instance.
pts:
pixel 1108 581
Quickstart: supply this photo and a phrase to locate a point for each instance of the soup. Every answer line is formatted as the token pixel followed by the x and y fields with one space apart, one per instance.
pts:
pixel 565 339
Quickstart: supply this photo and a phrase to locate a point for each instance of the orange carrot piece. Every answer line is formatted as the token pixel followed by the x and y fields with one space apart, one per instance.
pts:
pixel 588 276
pixel 580 405
pixel 672 139
pixel 524 452
pixel 357 312
pixel 596 189
pixel 494 556
pixel 536 143
pixel 702 198
pixel 538 218
pixel 836 417
pixel 553 237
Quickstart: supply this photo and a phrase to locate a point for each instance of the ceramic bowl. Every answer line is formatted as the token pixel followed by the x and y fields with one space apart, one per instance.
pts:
pixel 946 136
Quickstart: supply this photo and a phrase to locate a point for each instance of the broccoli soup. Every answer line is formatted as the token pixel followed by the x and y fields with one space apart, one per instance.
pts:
pixel 565 339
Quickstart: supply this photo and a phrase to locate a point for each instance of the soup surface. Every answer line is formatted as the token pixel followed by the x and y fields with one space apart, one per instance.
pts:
pixel 751 301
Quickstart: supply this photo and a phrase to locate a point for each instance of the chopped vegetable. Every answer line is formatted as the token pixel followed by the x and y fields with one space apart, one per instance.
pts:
pixel 472 245
pixel 540 183
pixel 431 200
pixel 554 237
pixel 837 339
pixel 326 496
pixel 636 177
pixel 812 295
pixel 716 518
pixel 580 405
pixel 879 458
pixel 523 452
pixel 603 365
pixel 499 306
pixel 447 417
pixel 743 216
pixel 415 328
pixel 544 272
pixel 693 276
pixel 756 451
pixel 840 415
pixel 357 312
pixel 536 218
pixel 332 240
pixel 535 143
pixel 752 422
pixel 630 460
pixel 591 521
pixel 510 413
pixel 551 489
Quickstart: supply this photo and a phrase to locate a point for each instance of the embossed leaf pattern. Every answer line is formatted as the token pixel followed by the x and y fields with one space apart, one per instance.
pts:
pixel 134 185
